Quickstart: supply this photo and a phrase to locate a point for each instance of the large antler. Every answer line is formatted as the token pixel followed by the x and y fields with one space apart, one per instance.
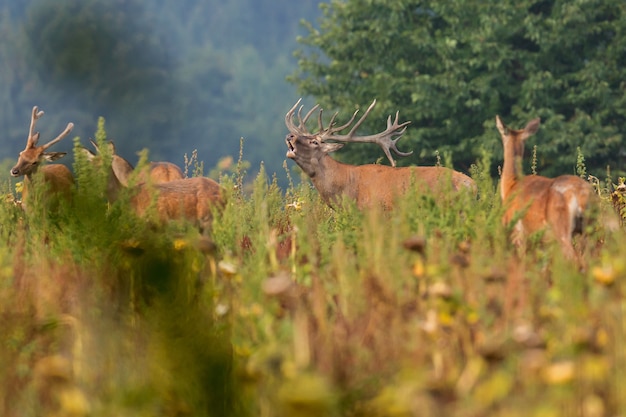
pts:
pixel 34 137
pixel 386 140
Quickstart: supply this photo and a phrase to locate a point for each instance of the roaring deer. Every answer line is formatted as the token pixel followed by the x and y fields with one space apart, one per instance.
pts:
pixel 562 205
pixel 184 198
pixel 368 185
pixel 57 177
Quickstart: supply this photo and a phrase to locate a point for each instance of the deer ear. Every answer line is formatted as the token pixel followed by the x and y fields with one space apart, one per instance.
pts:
pixel 111 146
pixel 90 155
pixel 122 169
pixel 331 147
pixel 531 128
pixel 53 156
pixel 501 126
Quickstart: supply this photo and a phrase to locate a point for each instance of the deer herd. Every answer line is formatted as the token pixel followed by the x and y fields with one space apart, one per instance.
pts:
pixel 561 206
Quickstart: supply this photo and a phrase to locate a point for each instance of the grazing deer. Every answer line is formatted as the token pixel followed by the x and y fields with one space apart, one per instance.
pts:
pixel 560 205
pixel 368 185
pixel 57 177
pixel 185 198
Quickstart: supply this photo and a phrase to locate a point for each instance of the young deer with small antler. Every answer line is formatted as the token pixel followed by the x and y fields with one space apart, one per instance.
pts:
pixel 560 205
pixel 368 185
pixel 184 198
pixel 57 177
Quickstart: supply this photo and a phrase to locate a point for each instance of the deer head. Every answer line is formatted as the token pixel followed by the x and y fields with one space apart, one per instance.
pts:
pixel 306 148
pixel 31 157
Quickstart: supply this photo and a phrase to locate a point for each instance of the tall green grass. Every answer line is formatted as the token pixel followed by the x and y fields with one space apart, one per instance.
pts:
pixel 288 308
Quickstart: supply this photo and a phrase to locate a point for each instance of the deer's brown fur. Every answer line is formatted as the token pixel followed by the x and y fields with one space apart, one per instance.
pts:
pixel 562 206
pixel 368 185
pixel 57 177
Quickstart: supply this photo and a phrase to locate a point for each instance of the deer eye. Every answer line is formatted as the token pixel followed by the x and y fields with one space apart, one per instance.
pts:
pixel 314 142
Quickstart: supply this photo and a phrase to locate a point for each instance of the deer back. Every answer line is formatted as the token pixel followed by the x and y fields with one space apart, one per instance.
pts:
pixel 122 171
pixel 380 185
pixel 192 199
pixel 164 172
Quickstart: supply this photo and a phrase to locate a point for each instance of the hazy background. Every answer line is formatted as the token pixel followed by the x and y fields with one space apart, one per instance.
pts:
pixel 168 75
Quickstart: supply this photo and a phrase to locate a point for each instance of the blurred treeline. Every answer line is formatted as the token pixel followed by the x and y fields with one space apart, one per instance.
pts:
pixel 168 76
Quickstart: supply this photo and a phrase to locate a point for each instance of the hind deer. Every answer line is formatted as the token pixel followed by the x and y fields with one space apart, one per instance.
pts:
pixel 57 177
pixel 183 198
pixel 154 173
pixel 560 205
pixel 368 185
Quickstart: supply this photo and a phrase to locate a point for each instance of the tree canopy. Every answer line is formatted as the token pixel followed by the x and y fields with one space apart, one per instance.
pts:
pixel 451 67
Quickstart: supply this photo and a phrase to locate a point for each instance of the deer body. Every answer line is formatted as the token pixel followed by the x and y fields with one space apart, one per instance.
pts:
pixel 559 205
pixel 374 184
pixel 190 198
pixel 368 185
pixel 160 172
pixel 164 188
pixel 57 177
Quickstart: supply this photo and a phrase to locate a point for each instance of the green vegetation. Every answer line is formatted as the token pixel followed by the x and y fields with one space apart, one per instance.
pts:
pixel 450 67
pixel 287 308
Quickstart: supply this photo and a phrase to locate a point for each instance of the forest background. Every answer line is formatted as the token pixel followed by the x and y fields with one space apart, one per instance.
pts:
pixel 176 79
pixel 168 76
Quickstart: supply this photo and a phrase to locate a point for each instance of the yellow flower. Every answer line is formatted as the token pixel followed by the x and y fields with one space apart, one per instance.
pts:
pixel 604 274
pixel 180 244
pixel 559 372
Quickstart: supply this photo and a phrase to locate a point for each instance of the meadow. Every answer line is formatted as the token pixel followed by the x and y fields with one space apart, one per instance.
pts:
pixel 288 308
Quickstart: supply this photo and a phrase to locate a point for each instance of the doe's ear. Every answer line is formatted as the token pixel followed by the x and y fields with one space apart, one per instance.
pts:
pixel 531 128
pixel 331 147
pixel 502 128
pixel 88 154
pixel 53 156
pixel 122 170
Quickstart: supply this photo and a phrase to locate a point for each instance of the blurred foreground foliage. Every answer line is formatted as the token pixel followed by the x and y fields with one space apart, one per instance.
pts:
pixel 287 308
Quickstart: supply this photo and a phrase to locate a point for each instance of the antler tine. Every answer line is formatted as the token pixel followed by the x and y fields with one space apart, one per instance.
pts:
pixel 330 131
pixel 289 118
pixel 327 134
pixel 63 134
pixel 391 144
pixel 32 140
pixel 387 139
pixel 306 117
pixel 362 119
pixel 301 128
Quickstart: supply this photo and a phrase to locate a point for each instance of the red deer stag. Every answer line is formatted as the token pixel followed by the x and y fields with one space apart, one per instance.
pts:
pixel 560 205
pixel 57 177
pixel 368 185
pixel 186 198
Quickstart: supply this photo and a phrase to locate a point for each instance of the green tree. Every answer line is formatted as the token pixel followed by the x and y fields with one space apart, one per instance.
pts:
pixel 450 67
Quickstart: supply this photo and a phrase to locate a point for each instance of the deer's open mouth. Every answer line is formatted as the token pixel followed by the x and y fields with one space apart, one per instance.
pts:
pixel 291 152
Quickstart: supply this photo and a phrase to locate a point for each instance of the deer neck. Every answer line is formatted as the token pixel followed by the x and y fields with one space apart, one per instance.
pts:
pixel 511 171
pixel 330 178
